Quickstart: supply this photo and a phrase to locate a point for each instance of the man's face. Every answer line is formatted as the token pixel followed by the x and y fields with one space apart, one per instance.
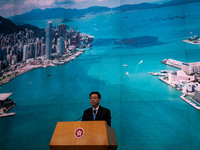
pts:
pixel 94 100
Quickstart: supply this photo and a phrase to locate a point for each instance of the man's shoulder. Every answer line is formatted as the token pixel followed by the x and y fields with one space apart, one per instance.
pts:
pixel 89 109
pixel 103 108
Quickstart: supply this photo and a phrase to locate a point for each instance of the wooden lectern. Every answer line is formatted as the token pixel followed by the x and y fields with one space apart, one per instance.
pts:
pixel 83 135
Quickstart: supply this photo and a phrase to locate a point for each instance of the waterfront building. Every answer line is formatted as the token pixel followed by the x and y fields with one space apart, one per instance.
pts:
pixel 8 49
pixel 30 60
pixel 61 30
pixel 72 48
pixel 42 49
pixel 27 35
pixel 66 44
pixel 25 52
pixel 179 75
pixel 191 68
pixel 36 48
pixel 198 68
pixel 60 45
pixel 14 59
pixel 1 65
pixel 187 68
pixel 197 93
pixel 42 41
pixel 9 59
pixel 31 50
pixel 31 34
pixel 11 52
pixel 69 42
pixel 185 86
pixel 53 48
pixel 77 37
pixel 4 54
pixel 73 40
pixel 48 41
pixel 56 38
pixel 14 49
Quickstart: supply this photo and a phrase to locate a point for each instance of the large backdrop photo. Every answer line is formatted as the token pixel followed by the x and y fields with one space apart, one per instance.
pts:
pixel 143 56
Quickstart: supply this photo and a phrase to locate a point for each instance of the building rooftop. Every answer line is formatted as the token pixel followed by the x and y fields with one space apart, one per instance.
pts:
pixel 4 96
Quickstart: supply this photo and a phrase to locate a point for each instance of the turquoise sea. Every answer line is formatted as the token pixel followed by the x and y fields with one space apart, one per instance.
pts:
pixel 146 113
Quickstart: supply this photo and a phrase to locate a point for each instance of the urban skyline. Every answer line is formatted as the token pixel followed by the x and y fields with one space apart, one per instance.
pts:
pixel 23 51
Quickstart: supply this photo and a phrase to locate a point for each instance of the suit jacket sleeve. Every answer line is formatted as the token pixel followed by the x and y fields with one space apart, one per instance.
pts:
pixel 108 118
pixel 87 115
pixel 84 116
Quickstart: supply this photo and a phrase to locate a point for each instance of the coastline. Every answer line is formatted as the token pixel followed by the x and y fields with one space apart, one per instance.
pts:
pixel 175 80
pixel 183 97
pixel 27 67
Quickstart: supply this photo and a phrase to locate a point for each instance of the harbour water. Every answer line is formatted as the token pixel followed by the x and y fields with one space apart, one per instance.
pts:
pixel 146 113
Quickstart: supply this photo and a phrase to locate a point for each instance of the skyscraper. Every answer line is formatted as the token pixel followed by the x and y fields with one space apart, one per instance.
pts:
pixel 36 47
pixel 60 45
pixel 48 41
pixel 25 52
pixel 42 49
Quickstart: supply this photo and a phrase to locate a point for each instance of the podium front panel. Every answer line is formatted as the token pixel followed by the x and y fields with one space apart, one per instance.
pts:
pixel 94 136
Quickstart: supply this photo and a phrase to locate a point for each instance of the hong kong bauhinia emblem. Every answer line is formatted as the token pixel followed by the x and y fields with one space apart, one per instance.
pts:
pixel 79 133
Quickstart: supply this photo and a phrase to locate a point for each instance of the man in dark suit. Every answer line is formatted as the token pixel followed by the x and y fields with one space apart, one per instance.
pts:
pixel 96 112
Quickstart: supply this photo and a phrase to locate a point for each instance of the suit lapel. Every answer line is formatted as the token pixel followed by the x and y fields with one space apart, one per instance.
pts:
pixel 98 116
pixel 91 114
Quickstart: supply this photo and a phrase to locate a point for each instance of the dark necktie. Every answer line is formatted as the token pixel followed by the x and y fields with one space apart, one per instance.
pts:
pixel 94 114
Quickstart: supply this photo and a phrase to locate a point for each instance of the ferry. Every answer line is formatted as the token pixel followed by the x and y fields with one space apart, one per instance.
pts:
pixel 6 104
pixel 157 74
pixel 141 62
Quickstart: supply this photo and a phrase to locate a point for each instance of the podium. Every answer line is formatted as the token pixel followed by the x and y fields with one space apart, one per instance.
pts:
pixel 83 135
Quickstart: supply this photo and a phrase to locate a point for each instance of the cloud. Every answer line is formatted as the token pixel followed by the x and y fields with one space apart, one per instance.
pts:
pixel 4 10
pixel 79 1
pixel 6 2
pixel 8 7
pixel 89 1
pixel 101 0
pixel 39 3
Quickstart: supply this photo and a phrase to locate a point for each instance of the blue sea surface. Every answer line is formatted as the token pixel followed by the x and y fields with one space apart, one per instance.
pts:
pixel 146 113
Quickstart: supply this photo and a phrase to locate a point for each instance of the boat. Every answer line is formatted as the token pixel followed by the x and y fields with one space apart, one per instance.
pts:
pixel 124 65
pixel 157 74
pixel 165 71
pixel 141 62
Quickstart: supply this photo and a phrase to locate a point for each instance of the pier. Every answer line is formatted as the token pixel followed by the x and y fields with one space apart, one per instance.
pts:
pixel 194 104
pixel 6 104
pixel 172 62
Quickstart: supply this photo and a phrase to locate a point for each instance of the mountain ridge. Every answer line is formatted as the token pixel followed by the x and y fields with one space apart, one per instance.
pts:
pixel 53 13
pixel 8 27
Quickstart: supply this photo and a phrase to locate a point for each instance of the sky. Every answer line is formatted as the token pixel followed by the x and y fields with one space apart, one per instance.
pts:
pixel 15 7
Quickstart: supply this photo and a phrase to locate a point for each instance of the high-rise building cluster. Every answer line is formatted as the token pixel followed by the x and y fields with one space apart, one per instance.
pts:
pixel 16 48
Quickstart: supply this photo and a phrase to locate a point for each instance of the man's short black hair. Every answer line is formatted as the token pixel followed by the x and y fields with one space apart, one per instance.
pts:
pixel 95 92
